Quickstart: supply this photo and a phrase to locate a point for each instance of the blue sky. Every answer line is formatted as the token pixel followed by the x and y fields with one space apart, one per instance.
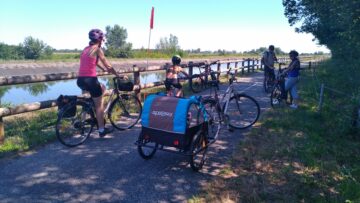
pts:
pixel 239 25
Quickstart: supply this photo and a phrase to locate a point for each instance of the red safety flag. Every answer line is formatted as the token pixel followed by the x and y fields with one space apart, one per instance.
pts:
pixel 152 18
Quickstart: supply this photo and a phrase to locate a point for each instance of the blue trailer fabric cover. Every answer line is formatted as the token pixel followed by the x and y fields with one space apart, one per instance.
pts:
pixel 166 113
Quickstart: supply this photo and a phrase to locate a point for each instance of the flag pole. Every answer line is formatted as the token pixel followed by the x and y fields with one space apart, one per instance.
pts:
pixel 151 27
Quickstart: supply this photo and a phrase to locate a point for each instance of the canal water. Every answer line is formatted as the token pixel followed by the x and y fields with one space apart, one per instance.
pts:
pixel 35 92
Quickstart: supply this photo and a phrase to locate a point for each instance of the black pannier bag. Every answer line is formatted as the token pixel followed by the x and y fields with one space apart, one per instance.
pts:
pixel 62 101
pixel 124 85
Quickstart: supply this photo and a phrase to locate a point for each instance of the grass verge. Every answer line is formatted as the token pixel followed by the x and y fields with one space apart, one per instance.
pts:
pixel 25 131
pixel 298 155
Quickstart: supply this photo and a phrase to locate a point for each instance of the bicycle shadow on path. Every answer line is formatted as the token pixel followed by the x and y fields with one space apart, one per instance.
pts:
pixel 110 169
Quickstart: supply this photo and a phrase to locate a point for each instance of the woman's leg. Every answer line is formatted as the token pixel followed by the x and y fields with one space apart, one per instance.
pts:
pixel 290 85
pixel 99 108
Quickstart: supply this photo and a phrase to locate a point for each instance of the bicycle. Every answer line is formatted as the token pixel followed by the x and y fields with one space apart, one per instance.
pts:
pixel 200 81
pixel 76 116
pixel 235 109
pixel 279 96
pixel 269 82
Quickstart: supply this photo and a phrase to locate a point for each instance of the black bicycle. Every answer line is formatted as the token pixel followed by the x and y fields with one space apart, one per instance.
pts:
pixel 279 97
pixel 205 78
pixel 269 81
pixel 76 117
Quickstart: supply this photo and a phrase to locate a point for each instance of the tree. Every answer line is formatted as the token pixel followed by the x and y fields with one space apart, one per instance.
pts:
pixel 35 48
pixel 335 23
pixel 116 45
pixel 169 45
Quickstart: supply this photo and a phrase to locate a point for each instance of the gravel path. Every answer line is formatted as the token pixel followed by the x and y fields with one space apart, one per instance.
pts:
pixel 110 169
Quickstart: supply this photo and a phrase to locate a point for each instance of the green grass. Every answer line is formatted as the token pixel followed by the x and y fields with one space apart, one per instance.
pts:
pixel 299 155
pixel 28 131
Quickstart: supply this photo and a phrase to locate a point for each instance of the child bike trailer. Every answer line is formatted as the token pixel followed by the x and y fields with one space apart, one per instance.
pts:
pixel 176 125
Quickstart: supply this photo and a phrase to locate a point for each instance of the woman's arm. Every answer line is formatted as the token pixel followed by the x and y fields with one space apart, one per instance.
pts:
pixel 105 63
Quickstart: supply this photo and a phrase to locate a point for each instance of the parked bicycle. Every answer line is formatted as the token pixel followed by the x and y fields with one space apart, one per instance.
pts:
pixel 269 81
pixel 205 78
pixel 76 117
pixel 279 97
pixel 235 109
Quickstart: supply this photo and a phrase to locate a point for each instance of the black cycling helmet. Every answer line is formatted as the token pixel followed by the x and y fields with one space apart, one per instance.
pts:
pixel 176 59
pixel 293 53
pixel 96 35
pixel 271 47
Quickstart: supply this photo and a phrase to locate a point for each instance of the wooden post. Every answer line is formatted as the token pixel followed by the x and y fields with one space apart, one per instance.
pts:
pixel 321 99
pixel 190 72
pixel 248 64
pixel 309 65
pixel 228 66
pixel 253 65
pixel 2 131
pixel 136 74
pixel 218 70
pixel 236 65
pixel 242 67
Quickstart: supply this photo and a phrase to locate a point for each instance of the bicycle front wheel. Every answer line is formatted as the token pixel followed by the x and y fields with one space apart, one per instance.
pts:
pixel 268 84
pixel 125 111
pixel 276 100
pixel 243 111
pixel 197 83
pixel 213 112
pixel 74 124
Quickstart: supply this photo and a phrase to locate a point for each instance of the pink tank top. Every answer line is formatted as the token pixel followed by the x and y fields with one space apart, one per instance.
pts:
pixel 87 64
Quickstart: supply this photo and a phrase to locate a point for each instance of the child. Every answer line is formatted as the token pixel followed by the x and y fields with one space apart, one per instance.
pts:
pixel 172 76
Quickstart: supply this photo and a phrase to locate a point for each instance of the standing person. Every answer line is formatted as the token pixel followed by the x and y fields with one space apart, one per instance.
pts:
pixel 172 76
pixel 87 80
pixel 293 77
pixel 268 59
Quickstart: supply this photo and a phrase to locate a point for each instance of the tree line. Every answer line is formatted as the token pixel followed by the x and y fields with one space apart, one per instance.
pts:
pixel 116 46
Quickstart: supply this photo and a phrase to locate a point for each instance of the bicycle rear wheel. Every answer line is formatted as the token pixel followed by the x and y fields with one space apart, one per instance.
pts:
pixel 125 111
pixel 197 83
pixel 243 111
pixel 74 126
pixel 213 113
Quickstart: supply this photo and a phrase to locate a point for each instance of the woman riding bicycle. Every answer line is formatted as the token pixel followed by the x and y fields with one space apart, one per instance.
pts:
pixel 172 76
pixel 293 77
pixel 87 80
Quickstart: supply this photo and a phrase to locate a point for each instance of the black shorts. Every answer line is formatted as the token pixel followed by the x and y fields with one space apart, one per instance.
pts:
pixel 90 84
pixel 172 82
